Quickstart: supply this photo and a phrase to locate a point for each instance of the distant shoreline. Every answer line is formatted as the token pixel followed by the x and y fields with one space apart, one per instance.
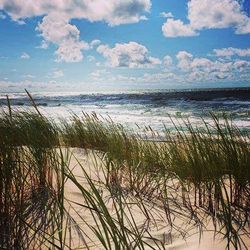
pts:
pixel 241 92
pixel 142 108
pixel 133 91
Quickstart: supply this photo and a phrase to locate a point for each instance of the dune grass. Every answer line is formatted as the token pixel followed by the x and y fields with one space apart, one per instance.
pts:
pixel 193 174
pixel 31 179
pixel 207 167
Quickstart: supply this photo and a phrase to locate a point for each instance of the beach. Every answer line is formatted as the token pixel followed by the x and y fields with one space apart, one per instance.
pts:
pixel 88 182
pixel 157 226
pixel 124 125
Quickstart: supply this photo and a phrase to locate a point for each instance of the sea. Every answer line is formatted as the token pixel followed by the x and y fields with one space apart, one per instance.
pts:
pixel 139 109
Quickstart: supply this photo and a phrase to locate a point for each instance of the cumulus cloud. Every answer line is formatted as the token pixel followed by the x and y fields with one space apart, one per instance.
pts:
pixel 241 65
pixel 131 55
pixel 166 14
pixel 186 68
pixel 228 52
pixel 184 59
pixel 24 55
pixel 216 14
pixel 205 69
pixel 57 29
pixel 187 62
pixel 209 14
pixel 70 51
pixel 174 28
pixel 114 12
pixel 100 75
pixel 167 61
pixel 94 43
pixel 43 45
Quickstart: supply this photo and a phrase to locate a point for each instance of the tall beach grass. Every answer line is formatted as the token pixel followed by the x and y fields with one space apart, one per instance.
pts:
pixel 189 178
pixel 205 170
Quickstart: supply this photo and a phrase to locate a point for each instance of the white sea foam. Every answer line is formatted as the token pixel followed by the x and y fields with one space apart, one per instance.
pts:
pixel 142 108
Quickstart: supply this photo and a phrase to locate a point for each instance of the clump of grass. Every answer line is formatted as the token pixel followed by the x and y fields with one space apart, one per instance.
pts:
pixel 114 212
pixel 207 167
pixel 31 182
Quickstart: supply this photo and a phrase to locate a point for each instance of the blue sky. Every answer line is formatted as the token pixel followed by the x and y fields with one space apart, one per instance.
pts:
pixel 88 45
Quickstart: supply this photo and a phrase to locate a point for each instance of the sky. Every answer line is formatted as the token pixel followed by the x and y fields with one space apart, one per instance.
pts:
pixel 72 45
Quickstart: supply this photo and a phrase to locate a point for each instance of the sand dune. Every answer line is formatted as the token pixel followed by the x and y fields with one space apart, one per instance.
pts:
pixel 156 227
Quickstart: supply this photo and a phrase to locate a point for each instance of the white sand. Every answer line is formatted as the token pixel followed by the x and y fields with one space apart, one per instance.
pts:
pixel 159 228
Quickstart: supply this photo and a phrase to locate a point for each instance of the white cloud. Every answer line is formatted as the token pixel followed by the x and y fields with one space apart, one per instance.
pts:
pixel 57 29
pixel 114 12
pixel 184 59
pixel 29 84
pixel 70 51
pixel 98 75
pixel 24 55
pixel 216 14
pixel 20 22
pixel 188 68
pixel 174 28
pixel 94 43
pixel 166 14
pixel 241 65
pixel 228 52
pixel 209 14
pixel 158 77
pixel 167 61
pixel 187 62
pixel 43 45
pixel 57 74
pixel 131 55
pixel 198 68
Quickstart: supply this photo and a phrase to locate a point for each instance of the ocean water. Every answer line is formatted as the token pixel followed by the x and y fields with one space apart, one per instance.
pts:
pixel 144 108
